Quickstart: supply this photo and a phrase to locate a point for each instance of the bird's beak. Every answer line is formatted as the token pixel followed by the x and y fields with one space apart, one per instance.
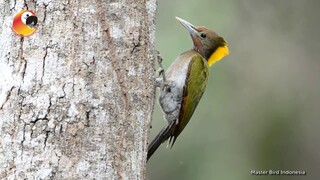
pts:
pixel 191 28
pixel 32 21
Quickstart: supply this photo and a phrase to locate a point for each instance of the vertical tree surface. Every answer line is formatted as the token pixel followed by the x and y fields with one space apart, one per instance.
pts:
pixel 77 97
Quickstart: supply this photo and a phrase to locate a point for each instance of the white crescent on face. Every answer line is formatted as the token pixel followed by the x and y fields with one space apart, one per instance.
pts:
pixel 24 17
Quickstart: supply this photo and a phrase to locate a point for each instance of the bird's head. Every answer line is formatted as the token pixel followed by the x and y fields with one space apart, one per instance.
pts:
pixel 24 23
pixel 209 44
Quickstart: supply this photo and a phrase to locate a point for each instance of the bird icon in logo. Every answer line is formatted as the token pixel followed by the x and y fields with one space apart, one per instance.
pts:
pixel 24 23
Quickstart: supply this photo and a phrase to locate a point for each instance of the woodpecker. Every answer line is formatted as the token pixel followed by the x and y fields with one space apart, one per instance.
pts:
pixel 183 84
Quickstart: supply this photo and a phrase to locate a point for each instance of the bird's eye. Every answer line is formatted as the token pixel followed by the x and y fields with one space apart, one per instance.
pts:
pixel 203 35
pixel 24 17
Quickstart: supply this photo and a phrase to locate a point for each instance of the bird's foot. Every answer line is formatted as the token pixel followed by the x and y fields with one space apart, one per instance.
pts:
pixel 161 69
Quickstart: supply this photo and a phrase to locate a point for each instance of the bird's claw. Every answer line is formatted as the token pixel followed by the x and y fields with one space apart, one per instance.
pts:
pixel 161 69
pixel 159 57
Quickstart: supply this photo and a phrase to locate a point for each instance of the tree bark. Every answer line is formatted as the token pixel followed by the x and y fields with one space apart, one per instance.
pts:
pixel 77 97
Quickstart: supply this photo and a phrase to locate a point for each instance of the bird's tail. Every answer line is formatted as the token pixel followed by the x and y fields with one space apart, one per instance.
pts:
pixel 163 135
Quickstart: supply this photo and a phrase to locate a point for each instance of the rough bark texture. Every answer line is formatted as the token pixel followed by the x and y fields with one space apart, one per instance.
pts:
pixel 77 97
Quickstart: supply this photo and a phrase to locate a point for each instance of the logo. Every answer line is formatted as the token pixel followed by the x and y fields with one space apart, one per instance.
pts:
pixel 24 23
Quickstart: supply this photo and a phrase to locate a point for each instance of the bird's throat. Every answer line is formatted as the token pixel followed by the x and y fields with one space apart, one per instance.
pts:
pixel 218 54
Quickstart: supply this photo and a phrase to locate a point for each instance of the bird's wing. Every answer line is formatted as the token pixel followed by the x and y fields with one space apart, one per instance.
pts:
pixel 196 81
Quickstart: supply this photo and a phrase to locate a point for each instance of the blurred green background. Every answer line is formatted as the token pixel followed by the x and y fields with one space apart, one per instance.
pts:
pixel 261 109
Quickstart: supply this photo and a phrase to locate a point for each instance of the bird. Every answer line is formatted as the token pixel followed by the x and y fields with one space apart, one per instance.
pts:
pixel 184 82
pixel 24 23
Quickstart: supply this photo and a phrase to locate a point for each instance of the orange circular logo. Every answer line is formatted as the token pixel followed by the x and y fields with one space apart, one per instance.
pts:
pixel 24 23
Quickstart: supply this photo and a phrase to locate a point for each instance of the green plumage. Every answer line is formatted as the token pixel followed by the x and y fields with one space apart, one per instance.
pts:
pixel 187 78
pixel 195 84
pixel 185 81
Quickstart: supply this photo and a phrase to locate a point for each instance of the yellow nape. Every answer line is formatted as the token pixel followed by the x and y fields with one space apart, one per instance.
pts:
pixel 218 54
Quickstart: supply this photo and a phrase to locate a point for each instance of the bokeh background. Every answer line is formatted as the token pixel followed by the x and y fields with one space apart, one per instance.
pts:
pixel 261 109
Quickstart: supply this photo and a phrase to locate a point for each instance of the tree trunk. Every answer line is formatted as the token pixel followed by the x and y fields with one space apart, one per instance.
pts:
pixel 77 97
